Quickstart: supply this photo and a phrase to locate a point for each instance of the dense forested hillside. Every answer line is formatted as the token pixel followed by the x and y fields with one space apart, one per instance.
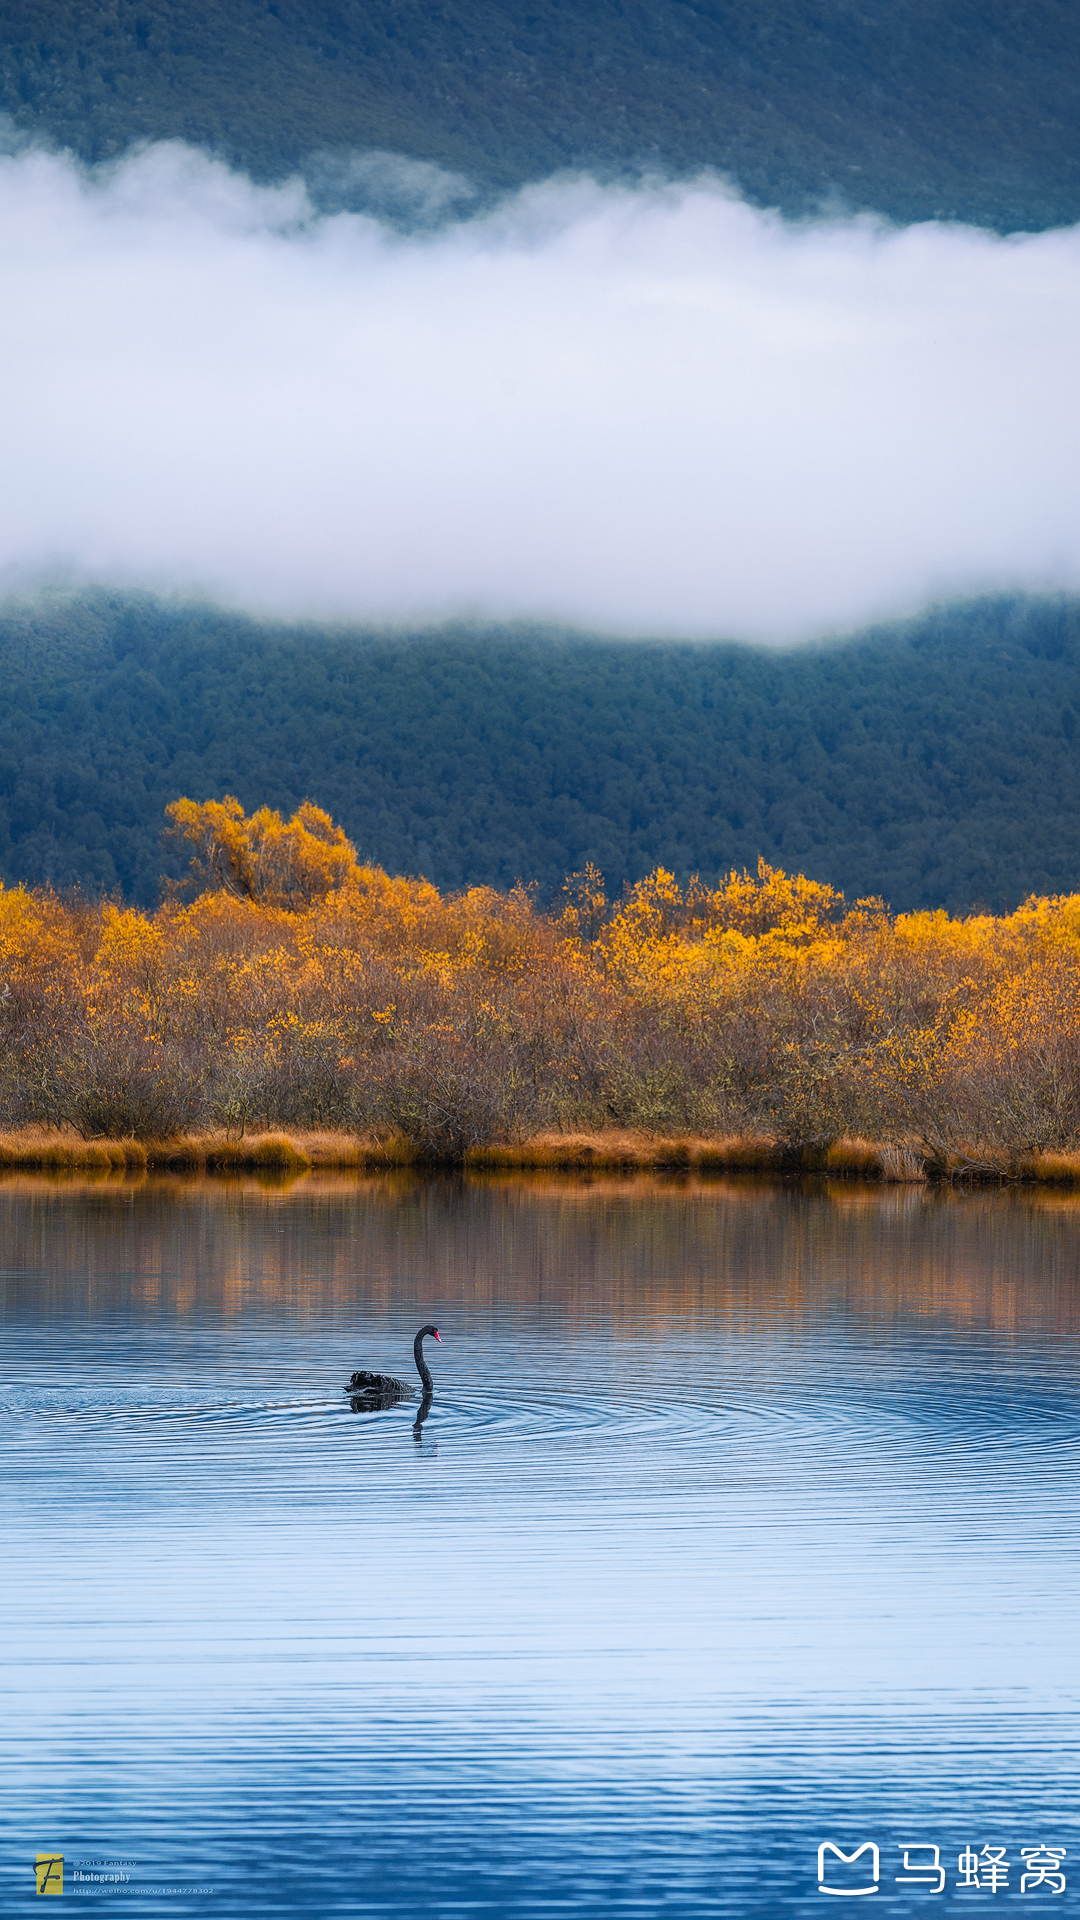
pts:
pixel 934 763
pixel 920 109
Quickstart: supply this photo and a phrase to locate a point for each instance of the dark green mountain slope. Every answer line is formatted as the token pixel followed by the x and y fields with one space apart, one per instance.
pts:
pixel 934 762
pixel 964 109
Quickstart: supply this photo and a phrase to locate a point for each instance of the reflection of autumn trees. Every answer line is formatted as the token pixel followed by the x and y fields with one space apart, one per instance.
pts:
pixel 643 1260
pixel 302 987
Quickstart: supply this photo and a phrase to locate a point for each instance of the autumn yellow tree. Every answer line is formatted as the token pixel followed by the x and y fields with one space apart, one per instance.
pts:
pixel 265 858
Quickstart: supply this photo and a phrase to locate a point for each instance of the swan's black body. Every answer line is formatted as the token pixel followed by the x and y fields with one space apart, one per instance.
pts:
pixel 381 1389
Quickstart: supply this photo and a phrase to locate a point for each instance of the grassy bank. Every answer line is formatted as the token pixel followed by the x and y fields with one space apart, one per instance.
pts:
pixel 610 1150
pixel 44 1150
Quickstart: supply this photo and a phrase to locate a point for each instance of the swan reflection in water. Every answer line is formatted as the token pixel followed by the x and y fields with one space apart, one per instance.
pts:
pixel 370 1403
pixel 374 1392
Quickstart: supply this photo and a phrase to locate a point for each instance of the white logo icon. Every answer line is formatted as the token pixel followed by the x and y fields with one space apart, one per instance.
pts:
pixel 849 1859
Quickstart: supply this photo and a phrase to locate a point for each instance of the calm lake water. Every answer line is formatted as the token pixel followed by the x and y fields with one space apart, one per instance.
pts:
pixel 744 1519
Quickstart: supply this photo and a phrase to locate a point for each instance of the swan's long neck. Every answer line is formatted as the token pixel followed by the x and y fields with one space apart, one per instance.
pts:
pixel 421 1363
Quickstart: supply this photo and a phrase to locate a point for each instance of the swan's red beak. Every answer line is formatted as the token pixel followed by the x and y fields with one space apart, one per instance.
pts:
pixel 437 1336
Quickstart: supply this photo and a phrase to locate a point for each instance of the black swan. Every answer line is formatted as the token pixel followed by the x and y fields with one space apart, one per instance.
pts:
pixel 381 1389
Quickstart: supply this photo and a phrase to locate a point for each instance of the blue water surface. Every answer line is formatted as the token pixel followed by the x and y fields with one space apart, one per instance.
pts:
pixel 744 1519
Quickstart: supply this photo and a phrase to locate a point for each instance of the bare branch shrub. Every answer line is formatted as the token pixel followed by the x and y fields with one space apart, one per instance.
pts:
pixel 304 989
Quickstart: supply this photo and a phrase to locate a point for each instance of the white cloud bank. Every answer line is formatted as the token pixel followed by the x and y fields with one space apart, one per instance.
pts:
pixel 650 410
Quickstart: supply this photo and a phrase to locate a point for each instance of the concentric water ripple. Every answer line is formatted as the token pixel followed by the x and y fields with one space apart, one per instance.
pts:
pixel 543 1432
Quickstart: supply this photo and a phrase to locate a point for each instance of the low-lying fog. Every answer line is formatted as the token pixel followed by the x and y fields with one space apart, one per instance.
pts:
pixel 647 409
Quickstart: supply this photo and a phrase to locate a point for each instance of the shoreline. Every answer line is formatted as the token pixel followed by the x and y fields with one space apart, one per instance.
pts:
pixel 294 1152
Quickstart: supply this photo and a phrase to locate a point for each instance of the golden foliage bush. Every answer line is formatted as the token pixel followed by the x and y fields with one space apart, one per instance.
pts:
pixel 300 988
